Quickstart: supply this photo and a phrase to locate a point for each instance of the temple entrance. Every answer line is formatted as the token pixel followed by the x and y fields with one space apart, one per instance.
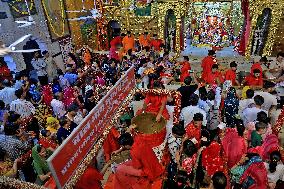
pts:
pixel 261 32
pixel 113 29
pixel 213 25
pixel 170 30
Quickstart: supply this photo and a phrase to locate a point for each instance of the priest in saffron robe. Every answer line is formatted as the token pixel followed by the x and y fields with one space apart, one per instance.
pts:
pixel 215 76
pixel 258 65
pixel 185 69
pixel 207 63
pixel 128 42
pixel 156 43
pixel 144 40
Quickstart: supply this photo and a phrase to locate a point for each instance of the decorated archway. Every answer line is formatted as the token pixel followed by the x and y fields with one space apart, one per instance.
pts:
pixel 113 29
pixel 170 30
pixel 261 32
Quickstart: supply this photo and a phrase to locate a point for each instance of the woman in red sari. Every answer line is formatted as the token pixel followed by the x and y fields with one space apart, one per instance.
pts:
pixel 142 171
pixel 156 103
pixel 234 145
pixel 4 70
pixel 185 69
pixel 47 94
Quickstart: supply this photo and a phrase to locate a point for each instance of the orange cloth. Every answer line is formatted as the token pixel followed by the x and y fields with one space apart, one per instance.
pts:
pixel 185 71
pixel 154 103
pixel 91 179
pixel 144 42
pixel 207 64
pixel 128 43
pixel 253 81
pixel 231 75
pixel 211 78
pixel 111 143
pixel 115 41
pixel 193 132
pixel 156 43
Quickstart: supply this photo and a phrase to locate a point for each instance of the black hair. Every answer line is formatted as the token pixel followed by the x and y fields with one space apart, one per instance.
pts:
pixel 19 93
pixel 59 72
pixel 178 129
pixel 2 154
pixel 211 95
pixel 203 93
pixel 275 157
pixel 181 179
pixel 250 93
pixel 260 125
pixel 72 107
pixel 18 76
pixel 215 66
pixel 241 129
pixel 256 71
pixel 125 139
pixel 186 58
pixel 280 54
pixel 10 129
pixel 157 84
pixel 63 121
pixel 263 59
pixel 198 117
pixel 188 80
pixel 13 116
pixel 44 52
pixel 189 148
pixel 205 133
pixel 267 85
pixel 262 117
pixel 211 53
pixel 128 32
pixel 259 100
pixel 194 99
pixel 2 105
pixel 233 64
pixel 219 180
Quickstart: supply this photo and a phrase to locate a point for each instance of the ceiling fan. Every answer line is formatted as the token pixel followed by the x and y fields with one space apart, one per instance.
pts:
pixel 26 23
pixel 95 13
pixel 12 49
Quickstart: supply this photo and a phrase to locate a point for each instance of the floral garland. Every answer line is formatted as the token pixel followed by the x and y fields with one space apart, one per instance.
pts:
pixel 279 123
pixel 175 94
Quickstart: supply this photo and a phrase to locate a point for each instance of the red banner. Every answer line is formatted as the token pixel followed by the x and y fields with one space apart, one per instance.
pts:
pixel 65 160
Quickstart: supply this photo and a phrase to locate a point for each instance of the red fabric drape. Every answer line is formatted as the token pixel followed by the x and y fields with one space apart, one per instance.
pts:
pixel 245 34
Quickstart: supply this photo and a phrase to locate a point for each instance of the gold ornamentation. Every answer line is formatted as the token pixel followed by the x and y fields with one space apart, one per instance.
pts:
pixel 51 22
pixel 256 9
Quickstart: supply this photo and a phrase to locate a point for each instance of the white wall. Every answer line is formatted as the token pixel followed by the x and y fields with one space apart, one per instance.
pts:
pixel 9 32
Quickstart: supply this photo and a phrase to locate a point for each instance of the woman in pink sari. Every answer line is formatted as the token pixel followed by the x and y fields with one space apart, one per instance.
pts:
pixel 69 96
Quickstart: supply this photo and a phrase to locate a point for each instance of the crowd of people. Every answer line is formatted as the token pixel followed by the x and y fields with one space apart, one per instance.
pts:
pixel 226 133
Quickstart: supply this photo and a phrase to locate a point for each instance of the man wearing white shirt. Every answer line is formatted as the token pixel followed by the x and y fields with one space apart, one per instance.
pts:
pixel 40 67
pixel 269 100
pixel 248 102
pixel 7 94
pixel 58 106
pixel 145 78
pixel 21 106
pixel 250 114
pixel 188 112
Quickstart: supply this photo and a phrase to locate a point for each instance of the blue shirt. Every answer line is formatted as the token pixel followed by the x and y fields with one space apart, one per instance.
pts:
pixel 71 78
